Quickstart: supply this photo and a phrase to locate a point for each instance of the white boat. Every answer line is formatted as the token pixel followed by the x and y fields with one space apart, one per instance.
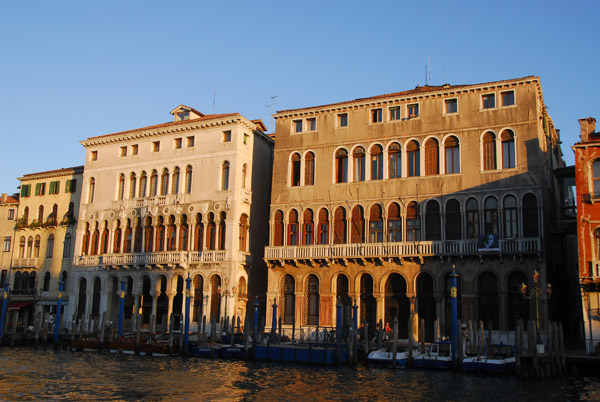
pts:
pixel 498 358
pixel 439 355
pixel 385 355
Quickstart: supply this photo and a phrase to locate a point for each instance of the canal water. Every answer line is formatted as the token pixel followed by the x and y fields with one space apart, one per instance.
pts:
pixel 29 374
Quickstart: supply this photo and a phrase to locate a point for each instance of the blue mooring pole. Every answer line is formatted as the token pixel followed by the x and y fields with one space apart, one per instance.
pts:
pixel 58 307
pixel 186 336
pixel 4 306
pixel 122 306
pixel 454 306
pixel 338 320
pixel 355 316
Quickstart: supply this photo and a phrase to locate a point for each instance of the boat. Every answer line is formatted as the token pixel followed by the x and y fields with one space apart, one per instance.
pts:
pixel 498 358
pixel 86 344
pixel 439 355
pixel 385 355
pixel 207 350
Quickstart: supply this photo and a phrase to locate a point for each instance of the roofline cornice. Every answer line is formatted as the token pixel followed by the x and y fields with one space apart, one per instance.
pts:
pixel 53 173
pixel 398 98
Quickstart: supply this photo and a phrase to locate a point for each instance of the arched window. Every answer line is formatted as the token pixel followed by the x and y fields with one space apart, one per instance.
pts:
pixel 171 234
pixel 487 299
pixel 160 234
pixel 92 187
pixel 225 176
pixel 188 179
pixel 95 240
pixel 358 157
pixel 128 237
pixel 376 224
pixel 295 171
pixel 395 160
pixel 472 218
pixel 289 300
pixel 453 221
pixel 293 228
pixel 433 222
pixel 143 184
pixel 323 227
pixel 46 284
pixel 244 174
pixel 53 216
pixel 50 248
pixel 452 150
pixel 222 230
pixel 309 169
pixel 154 183
pixel 183 234
pixel 40 217
pixel 596 178
pixel 148 236
pixel 164 182
pixel 22 247
pixel 341 166
pixel 510 217
pixel 278 229
pixel 121 189
pixel 394 223
pixel 308 228
pixel 508 149
pixel 198 233
pixel 64 279
pixel 339 226
pixel 530 216
pixel 36 246
pixel 104 239
pixel 357 228
pixel 132 185
pixel 30 246
pixel 432 165
pixel 489 151
pixel 117 239
pixel 491 216
pixel 414 159
pixel 376 162
pixel 17 281
pixel 312 291
pixel 413 222
pixel 243 232
pixel 175 186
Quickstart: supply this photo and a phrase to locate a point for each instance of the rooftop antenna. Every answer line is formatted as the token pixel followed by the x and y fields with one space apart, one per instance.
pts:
pixel 272 103
pixel 425 74
pixel 214 99
pixel 429 70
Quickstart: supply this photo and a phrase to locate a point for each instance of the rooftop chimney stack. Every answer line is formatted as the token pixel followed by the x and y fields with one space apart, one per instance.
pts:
pixel 587 126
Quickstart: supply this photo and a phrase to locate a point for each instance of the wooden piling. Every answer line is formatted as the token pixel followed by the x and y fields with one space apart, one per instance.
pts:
pixel 411 337
pixel 472 340
pixel 422 335
pixel 213 335
pixel 518 344
pixel 395 344
pixel 561 348
pixel 171 334
pixel 102 331
pixel 138 322
pixel 380 335
pixel 246 331
pixel 366 339
pixel 481 348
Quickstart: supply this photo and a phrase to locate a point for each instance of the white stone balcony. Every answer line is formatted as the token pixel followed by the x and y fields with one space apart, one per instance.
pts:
pixel 27 263
pixel 166 258
pixel 453 248
pixel 169 199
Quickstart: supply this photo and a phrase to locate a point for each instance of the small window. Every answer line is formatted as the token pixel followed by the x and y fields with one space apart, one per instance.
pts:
pixel 297 124
pixel 342 120
pixel 413 110
pixel 178 143
pixel 94 155
pixel 395 113
pixel 134 149
pixel 312 124
pixel 40 189
pixel 6 244
pixel 54 187
pixel 227 136
pixel 376 115
pixel 246 139
pixel 451 106
pixel 156 146
pixel 123 151
pixel 71 186
pixel 190 142
pixel 25 190
pixel 488 101
pixel 11 214
pixel 508 98
pixel 185 115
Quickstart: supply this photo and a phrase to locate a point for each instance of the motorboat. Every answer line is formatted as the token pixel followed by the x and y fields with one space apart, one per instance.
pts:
pixel 498 358
pixel 385 355
pixel 439 355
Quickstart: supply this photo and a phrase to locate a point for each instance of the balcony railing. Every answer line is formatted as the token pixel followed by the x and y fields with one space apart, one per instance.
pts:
pixel 168 199
pixel 408 249
pixel 159 258
pixel 26 263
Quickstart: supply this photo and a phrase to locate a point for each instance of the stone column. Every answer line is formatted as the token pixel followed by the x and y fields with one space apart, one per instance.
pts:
pixel 379 300
pixel 414 325
pixel 439 309
pixel 299 308
pixel 170 295
pixel 154 296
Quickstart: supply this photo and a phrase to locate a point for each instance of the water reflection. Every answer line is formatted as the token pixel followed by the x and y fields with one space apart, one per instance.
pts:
pixel 27 374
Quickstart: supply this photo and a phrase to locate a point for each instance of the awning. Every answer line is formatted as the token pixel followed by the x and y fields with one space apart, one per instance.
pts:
pixel 18 305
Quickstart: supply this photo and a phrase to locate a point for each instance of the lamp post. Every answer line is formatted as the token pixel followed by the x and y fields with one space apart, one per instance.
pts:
pixel 122 305
pixel 227 293
pixel 536 293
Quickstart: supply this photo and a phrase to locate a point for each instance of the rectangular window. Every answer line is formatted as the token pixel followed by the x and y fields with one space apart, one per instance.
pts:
pixel 134 149
pixel 376 116
pixel 11 214
pixel 488 101
pixel 70 186
pixel 40 189
pixel 54 187
pixel 25 190
pixel 123 151
pixel 413 110
pixel 94 155
pixel 6 248
pixel 227 136
pixel 508 98
pixel 312 124
pixel 246 139
pixel 178 142
pixel 156 146
pixel 342 120
pixel 395 113
pixel 451 106
pixel 297 124
pixel 190 142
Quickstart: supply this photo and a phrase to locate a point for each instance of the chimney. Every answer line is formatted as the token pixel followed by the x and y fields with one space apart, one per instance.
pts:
pixel 3 197
pixel 587 126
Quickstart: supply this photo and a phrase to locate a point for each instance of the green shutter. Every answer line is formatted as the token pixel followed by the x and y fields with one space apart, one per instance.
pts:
pixel 38 186
pixel 73 187
pixel 56 187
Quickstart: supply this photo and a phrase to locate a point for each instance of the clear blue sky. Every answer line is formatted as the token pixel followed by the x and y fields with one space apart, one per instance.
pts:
pixel 70 70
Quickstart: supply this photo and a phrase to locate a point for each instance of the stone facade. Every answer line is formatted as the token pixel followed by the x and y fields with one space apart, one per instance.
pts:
pixel 8 217
pixel 165 203
pixel 375 199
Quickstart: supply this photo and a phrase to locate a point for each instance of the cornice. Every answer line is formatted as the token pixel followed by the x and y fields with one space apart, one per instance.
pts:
pixel 52 173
